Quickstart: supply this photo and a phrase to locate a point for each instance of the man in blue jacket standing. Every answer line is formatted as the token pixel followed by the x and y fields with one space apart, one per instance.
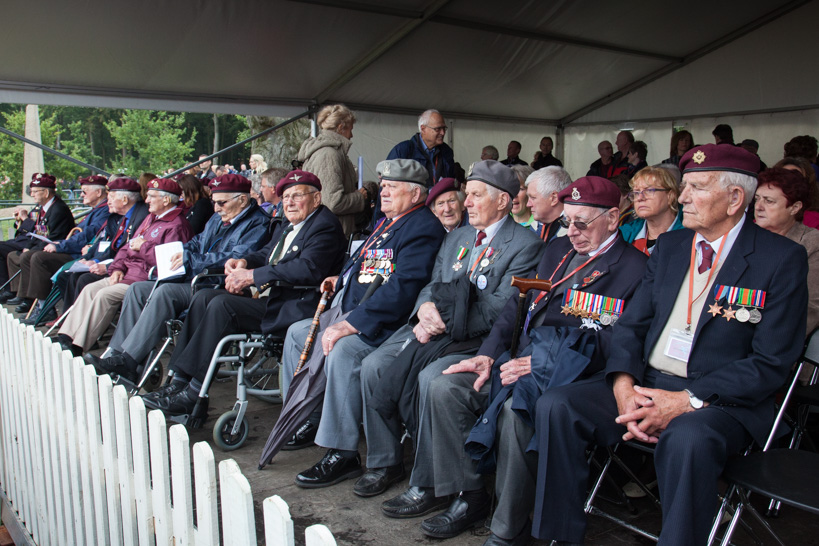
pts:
pixel 238 228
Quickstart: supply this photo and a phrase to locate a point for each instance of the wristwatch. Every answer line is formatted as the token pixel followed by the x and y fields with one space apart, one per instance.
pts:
pixel 695 402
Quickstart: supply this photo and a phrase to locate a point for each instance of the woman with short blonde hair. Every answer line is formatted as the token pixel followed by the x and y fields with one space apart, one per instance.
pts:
pixel 654 192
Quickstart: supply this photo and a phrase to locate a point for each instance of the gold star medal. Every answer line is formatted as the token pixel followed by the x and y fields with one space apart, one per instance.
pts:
pixel 729 313
pixel 715 309
pixel 566 310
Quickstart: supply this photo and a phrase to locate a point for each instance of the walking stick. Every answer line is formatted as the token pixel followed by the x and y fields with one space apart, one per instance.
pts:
pixel 59 320
pixel 523 286
pixel 5 284
pixel 326 292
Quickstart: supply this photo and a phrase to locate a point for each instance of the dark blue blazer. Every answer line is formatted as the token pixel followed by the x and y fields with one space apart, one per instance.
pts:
pixel 737 366
pixel 619 272
pixel 414 240
pixel 316 253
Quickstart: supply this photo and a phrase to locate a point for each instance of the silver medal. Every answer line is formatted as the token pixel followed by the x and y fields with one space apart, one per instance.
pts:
pixel 743 315
pixel 754 316
pixel 605 319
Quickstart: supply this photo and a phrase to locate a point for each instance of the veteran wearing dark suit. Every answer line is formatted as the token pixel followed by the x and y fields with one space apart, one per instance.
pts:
pixel 400 252
pixel 304 249
pixel 711 334
pixel 487 253
pixel 50 218
pixel 591 260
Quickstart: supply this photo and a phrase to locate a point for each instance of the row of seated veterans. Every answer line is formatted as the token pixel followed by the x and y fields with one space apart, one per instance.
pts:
pixel 621 347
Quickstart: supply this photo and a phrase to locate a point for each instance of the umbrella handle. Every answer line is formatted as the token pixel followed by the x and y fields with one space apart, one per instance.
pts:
pixel 524 285
pixel 326 292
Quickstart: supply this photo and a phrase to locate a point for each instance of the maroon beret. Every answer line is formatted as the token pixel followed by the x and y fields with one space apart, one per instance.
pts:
pixel 124 184
pixel 43 180
pixel 165 184
pixel 720 157
pixel 444 185
pixel 94 180
pixel 297 177
pixel 230 183
pixel 591 191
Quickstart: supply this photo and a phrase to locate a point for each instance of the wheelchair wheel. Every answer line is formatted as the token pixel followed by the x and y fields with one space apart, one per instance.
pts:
pixel 154 380
pixel 221 431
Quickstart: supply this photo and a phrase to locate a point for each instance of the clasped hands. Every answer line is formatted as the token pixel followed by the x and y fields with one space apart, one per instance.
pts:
pixel 646 412
pixel 429 324
pixel 511 370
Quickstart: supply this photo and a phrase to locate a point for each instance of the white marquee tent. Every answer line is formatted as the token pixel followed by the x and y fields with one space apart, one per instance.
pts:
pixel 577 70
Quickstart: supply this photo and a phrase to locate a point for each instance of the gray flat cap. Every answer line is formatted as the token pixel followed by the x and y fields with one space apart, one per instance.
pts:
pixel 402 170
pixel 495 174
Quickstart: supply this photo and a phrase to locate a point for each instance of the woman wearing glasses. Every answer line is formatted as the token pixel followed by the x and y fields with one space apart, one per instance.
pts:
pixel 654 192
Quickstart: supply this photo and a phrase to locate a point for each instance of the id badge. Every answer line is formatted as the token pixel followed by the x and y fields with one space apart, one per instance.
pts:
pixel 104 245
pixel 679 344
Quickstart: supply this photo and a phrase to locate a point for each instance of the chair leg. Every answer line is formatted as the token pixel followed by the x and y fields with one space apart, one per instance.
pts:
pixel 747 504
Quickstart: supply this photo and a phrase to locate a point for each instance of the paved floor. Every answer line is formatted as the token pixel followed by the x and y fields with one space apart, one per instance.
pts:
pixel 357 521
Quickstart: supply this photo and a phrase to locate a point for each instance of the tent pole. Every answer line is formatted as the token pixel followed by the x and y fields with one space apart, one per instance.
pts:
pixel 242 142
pixel 53 151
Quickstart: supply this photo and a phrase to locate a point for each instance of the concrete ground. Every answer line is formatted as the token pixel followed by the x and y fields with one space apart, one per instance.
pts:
pixel 357 521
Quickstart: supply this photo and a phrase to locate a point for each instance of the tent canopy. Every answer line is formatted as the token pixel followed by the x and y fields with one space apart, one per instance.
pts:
pixel 527 61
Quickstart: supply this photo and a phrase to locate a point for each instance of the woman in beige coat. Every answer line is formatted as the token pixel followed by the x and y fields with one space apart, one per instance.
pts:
pixel 326 156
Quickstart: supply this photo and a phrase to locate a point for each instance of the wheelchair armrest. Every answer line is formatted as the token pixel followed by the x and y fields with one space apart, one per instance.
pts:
pixel 217 277
pixel 282 284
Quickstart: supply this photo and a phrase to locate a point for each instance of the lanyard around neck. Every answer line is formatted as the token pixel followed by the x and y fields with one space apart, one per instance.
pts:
pixel 714 263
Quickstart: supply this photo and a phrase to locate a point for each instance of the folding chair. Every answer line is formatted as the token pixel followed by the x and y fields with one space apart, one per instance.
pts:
pixel 785 475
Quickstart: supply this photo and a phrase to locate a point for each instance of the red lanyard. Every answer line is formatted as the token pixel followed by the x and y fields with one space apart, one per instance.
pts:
pixel 374 237
pixel 578 268
pixel 714 263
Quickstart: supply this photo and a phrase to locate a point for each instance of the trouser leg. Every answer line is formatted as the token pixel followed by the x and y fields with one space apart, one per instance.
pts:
pixel 75 282
pixel 225 314
pixel 24 264
pixel 448 407
pixel 294 342
pixel 168 302
pixel 39 270
pixel 383 435
pixel 129 314
pixel 515 476
pixel 342 407
pixel 90 320
pixel 13 263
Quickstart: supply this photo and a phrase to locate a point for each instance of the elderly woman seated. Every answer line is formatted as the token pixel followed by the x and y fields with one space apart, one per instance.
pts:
pixel 780 202
pixel 99 301
pixel 654 192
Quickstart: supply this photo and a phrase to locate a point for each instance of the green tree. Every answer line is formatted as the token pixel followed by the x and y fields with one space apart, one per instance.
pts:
pixel 149 141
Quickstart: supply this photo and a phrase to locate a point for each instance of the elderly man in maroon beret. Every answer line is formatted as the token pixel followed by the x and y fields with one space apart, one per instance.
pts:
pixel 695 361
pixel 99 301
pixel 446 201
pixel 50 218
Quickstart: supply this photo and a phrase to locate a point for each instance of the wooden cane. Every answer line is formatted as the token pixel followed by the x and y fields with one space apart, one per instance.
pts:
pixel 523 286
pixel 326 292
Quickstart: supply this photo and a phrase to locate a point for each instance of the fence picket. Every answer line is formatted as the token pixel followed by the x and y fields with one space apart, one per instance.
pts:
pixel 160 478
pixel 31 435
pixel 44 493
pixel 142 472
pixel 74 461
pixel 56 471
pixel 238 521
pixel 109 459
pixel 278 525
pixel 181 485
pixel 92 406
pixel 318 535
pixel 85 462
pixel 207 509
pixel 125 470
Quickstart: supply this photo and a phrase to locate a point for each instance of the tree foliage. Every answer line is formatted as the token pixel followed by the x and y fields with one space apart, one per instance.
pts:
pixel 150 141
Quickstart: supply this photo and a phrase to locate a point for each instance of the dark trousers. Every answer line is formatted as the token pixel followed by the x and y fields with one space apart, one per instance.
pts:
pixel 212 315
pixel 71 284
pixel 689 459
pixel 6 248
pixel 37 268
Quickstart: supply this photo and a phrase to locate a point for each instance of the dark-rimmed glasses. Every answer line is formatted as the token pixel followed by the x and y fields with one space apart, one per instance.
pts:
pixel 579 224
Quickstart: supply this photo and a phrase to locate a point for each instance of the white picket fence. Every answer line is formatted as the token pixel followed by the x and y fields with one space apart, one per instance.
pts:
pixel 81 463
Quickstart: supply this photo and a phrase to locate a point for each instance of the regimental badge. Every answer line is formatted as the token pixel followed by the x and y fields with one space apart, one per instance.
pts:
pixel 469 172
pixel 590 278
pixel 699 157
pixel 38 176
pixel 386 168
pixel 154 233
pixel 296 177
pixel 155 184
pixel 575 194
pixel 215 183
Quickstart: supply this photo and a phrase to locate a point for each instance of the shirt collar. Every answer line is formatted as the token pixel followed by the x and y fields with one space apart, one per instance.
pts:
pixel 731 238
pixel 604 244
pixel 48 205
pixel 492 230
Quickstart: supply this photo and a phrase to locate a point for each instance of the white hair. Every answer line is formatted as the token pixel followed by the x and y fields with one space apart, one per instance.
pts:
pixel 131 196
pixel 522 172
pixel 746 182
pixel 423 119
pixel 413 185
pixel 172 196
pixel 549 180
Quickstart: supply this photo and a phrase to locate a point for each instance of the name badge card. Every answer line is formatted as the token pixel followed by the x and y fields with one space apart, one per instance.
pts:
pixel 679 344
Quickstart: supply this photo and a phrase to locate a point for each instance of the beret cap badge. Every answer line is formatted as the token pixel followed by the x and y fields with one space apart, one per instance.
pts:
pixel 387 168
pixel 575 194
pixel 295 177
pixel 699 157
pixel 155 184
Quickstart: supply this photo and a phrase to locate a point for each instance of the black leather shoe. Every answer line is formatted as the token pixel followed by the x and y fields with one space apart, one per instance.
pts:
pixel 66 343
pixel 51 314
pixel 120 364
pixel 5 296
pixel 169 389
pixel 16 300
pixel 459 517
pixel 414 502
pixel 24 307
pixel 304 437
pixel 330 470
pixel 377 480
pixel 181 403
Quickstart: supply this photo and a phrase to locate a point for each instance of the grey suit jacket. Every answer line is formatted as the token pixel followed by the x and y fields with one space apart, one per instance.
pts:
pixel 516 251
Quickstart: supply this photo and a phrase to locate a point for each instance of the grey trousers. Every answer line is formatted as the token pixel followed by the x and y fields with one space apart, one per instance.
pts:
pixel 515 476
pixel 383 435
pixel 342 407
pixel 448 407
pixel 141 327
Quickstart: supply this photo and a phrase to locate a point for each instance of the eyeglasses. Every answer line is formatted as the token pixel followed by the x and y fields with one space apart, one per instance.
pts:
pixel 579 224
pixel 297 197
pixel 648 193
pixel 441 129
pixel 221 204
